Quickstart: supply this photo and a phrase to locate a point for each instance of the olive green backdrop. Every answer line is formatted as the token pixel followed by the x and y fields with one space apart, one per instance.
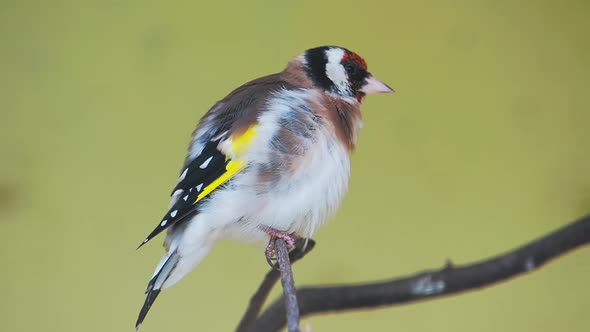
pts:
pixel 484 147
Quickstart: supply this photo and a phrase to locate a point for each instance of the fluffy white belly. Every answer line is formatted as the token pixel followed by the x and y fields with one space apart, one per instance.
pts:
pixel 302 203
pixel 297 203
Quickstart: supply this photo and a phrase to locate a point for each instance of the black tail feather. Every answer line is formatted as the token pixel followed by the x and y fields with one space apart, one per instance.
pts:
pixel 149 300
pixel 157 281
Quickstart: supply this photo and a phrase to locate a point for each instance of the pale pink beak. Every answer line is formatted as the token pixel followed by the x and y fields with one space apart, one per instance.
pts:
pixel 374 85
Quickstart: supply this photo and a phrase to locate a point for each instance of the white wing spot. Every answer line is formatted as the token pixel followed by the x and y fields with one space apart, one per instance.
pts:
pixel 183 175
pixel 199 187
pixel 173 213
pixel 206 163
pixel 185 197
pixel 163 223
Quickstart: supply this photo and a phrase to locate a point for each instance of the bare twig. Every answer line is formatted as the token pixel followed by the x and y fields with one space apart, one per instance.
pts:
pixel 273 275
pixel 435 283
pixel 290 296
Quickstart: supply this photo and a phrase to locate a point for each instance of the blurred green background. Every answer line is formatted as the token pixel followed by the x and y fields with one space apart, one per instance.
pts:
pixel 484 147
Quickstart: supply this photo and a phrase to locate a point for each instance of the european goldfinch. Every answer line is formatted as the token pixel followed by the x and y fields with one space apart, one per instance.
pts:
pixel 269 160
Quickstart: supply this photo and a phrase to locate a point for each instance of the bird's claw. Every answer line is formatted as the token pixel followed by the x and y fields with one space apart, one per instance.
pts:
pixel 270 251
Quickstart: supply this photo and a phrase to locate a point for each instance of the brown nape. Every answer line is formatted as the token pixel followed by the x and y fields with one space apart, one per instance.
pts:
pixel 296 74
pixel 345 117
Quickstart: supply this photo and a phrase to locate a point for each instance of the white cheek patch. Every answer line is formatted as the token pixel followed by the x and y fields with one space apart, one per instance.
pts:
pixel 335 71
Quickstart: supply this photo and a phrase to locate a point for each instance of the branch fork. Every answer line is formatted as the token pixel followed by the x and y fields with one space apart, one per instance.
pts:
pixel 449 280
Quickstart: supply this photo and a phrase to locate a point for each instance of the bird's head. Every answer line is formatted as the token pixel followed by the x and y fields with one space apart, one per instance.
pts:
pixel 341 72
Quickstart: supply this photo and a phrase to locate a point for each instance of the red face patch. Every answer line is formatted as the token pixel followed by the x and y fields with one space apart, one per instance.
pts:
pixel 357 60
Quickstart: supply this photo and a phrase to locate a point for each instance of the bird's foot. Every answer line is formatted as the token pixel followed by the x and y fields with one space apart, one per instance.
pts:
pixel 270 251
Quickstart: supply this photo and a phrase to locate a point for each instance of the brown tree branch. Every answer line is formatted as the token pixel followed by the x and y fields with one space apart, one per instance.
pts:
pixel 434 283
pixel 289 292
pixel 257 301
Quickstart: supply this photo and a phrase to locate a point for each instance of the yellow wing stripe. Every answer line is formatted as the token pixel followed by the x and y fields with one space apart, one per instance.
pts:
pixel 234 166
pixel 242 143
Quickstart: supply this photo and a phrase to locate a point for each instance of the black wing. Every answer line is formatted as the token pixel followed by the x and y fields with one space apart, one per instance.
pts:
pixel 199 173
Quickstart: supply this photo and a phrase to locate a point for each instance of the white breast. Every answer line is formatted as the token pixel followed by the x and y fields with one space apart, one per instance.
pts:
pixel 307 190
pixel 301 203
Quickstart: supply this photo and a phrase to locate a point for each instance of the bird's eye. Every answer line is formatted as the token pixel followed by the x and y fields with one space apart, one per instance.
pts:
pixel 350 69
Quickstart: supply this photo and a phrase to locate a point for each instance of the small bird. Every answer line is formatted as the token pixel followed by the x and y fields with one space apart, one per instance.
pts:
pixel 270 160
